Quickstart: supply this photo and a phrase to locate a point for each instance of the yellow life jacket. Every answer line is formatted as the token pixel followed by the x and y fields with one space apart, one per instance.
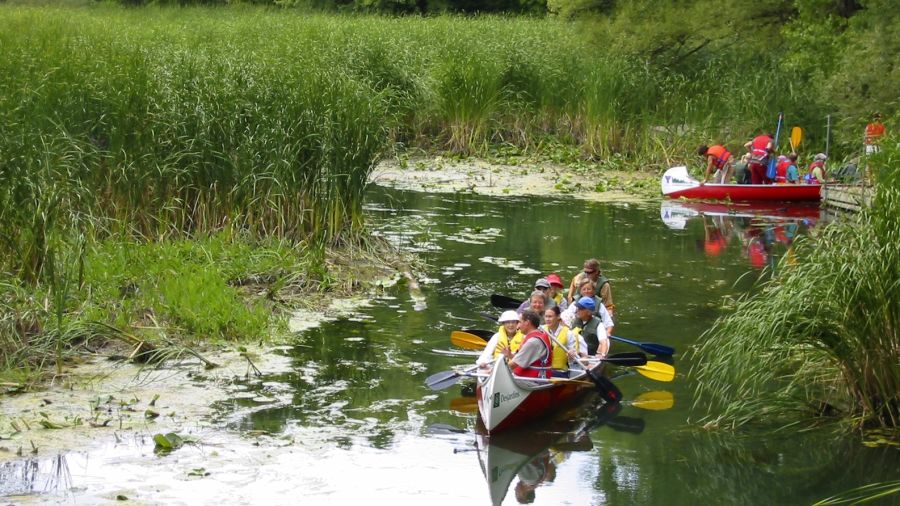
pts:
pixel 560 356
pixel 558 298
pixel 505 342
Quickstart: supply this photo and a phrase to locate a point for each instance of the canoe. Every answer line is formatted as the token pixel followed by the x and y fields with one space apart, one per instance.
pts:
pixel 677 183
pixel 676 214
pixel 506 402
pixel 526 453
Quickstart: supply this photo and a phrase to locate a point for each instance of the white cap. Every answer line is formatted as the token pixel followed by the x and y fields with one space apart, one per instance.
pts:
pixel 508 316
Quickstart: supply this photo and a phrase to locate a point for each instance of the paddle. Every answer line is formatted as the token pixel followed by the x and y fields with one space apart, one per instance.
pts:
pixel 464 404
pixel 651 348
pixel 456 353
pixel 484 334
pixel 657 371
pixel 504 302
pixel 467 341
pixel 770 171
pixel 657 400
pixel 446 379
pixel 796 138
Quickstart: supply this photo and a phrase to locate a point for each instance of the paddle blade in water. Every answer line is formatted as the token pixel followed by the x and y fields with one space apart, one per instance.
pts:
pixel 651 348
pixel 657 400
pixel 657 371
pixel 464 404
pixel 626 424
pixel 606 388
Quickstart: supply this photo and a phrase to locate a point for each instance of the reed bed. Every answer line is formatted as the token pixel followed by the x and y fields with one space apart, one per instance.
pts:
pixel 154 125
pixel 173 121
pixel 821 339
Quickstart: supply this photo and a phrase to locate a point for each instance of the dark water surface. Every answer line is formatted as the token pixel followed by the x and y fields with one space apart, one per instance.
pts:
pixel 362 426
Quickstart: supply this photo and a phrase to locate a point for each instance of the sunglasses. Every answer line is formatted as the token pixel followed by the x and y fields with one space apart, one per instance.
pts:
pixel 589 271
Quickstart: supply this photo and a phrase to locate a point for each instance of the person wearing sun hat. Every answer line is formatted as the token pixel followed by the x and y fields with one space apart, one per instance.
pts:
pixel 555 292
pixel 506 336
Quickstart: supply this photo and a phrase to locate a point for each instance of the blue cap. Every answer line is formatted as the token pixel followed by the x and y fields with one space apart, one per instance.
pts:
pixel 585 303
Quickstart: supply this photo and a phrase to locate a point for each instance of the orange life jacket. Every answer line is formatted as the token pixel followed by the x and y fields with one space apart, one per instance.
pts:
pixel 722 155
pixel 540 368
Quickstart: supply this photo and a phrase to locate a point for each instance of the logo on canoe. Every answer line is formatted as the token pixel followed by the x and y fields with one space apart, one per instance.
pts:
pixel 501 398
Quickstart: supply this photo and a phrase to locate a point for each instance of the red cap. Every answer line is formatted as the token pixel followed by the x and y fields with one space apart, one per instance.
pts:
pixel 555 280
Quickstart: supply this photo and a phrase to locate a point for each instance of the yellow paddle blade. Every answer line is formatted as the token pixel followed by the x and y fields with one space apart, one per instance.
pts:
pixel 467 341
pixel 464 404
pixel 658 371
pixel 657 400
pixel 796 137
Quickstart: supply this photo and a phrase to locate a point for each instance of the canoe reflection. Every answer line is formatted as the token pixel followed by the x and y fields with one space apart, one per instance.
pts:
pixel 533 453
pixel 763 231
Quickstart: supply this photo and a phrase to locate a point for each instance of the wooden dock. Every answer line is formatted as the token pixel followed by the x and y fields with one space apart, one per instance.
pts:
pixel 847 197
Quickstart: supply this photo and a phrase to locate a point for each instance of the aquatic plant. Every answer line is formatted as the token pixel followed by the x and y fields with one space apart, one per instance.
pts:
pixel 820 338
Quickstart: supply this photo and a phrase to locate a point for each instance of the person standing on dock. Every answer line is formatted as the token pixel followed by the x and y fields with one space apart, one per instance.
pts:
pixel 760 148
pixel 874 133
pixel 719 157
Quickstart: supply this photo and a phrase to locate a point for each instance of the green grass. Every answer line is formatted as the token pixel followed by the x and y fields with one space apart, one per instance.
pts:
pixel 170 294
pixel 819 341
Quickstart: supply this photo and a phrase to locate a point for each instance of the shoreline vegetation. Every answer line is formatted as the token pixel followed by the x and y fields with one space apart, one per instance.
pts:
pixel 157 165
pixel 817 343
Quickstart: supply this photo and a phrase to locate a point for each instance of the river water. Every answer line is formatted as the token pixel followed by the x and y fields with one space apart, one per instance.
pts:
pixel 352 422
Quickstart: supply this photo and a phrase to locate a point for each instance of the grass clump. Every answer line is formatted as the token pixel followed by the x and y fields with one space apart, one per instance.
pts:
pixel 156 300
pixel 820 339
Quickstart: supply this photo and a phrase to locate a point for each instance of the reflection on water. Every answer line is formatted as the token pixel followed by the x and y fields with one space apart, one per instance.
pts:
pixel 525 459
pixel 347 423
pixel 761 232
pixel 34 476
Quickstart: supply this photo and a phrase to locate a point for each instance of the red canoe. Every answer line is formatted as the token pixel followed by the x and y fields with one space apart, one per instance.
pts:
pixel 677 183
pixel 506 401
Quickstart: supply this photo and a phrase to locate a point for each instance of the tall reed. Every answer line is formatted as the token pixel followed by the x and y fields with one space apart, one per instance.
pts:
pixel 820 338
pixel 163 122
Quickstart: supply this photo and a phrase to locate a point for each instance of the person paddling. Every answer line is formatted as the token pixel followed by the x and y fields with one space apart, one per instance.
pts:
pixel 533 358
pixel 506 336
pixel 566 344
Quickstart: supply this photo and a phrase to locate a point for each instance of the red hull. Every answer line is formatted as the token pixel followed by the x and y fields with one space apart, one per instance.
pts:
pixel 539 404
pixel 751 192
